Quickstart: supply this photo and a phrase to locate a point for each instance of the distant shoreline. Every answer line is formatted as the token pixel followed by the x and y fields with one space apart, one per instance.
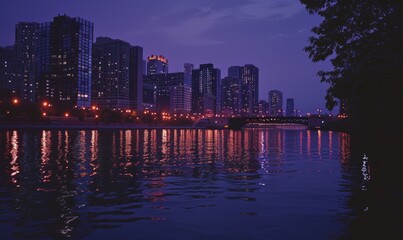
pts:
pixel 91 125
pixel 87 126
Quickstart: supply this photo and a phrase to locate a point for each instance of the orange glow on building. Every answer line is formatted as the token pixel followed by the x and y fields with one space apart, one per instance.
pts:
pixel 159 58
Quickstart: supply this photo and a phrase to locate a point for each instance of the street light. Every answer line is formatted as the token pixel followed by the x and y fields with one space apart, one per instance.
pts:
pixel 15 101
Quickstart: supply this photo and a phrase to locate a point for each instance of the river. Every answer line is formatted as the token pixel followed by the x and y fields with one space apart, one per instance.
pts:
pixel 276 183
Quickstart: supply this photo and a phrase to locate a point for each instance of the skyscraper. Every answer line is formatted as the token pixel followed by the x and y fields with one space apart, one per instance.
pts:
pixel 234 71
pixel 290 111
pixel 26 39
pixel 170 91
pixel 136 77
pixel 181 97
pixel 263 108
pixel 65 61
pixel 276 103
pixel 110 78
pixel 157 65
pixel 231 96
pixel 7 72
pixel 44 89
pixel 206 89
pixel 249 87
pixel 187 69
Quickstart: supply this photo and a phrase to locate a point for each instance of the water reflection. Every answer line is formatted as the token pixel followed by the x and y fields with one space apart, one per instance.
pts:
pixel 15 169
pixel 67 184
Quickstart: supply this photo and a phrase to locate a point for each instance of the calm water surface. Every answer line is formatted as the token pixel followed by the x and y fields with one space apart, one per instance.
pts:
pixel 177 184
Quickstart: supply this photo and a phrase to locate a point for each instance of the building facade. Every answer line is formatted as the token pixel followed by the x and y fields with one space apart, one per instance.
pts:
pixel 275 103
pixel 26 40
pixel 167 98
pixel 44 88
pixel 110 73
pixel 249 87
pixel 290 110
pixel 136 78
pixel 157 65
pixel 206 90
pixel 149 97
pixel 8 83
pixel 64 71
pixel 234 71
pixel 263 109
pixel 180 99
pixel 187 69
pixel 231 96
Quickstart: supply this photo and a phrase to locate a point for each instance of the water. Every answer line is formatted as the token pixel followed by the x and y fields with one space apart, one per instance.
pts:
pixel 177 184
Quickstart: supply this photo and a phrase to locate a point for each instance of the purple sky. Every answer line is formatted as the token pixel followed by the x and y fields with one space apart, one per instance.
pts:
pixel 267 33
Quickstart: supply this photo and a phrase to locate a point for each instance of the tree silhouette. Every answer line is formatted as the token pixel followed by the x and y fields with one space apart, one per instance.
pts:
pixel 363 40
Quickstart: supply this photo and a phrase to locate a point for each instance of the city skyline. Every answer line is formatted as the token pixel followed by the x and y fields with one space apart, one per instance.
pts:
pixel 234 33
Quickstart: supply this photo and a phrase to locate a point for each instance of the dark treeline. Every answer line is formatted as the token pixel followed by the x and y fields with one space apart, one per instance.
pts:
pixel 364 42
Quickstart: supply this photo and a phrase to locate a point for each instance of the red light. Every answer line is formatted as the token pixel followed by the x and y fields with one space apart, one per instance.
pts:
pixel 66 114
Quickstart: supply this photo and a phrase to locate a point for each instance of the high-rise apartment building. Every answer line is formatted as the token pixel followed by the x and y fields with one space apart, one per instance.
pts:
pixel 44 88
pixel 180 101
pixel 157 65
pixel 64 70
pixel 117 74
pixel 187 69
pixel 170 91
pixel 275 103
pixel 234 71
pixel 231 96
pixel 110 73
pixel 206 90
pixel 149 97
pixel 26 40
pixel 136 77
pixel 250 89
pixel 263 108
pixel 249 83
pixel 290 110
pixel 8 68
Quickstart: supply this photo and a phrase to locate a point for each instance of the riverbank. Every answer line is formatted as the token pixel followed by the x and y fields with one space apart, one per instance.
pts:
pixel 93 124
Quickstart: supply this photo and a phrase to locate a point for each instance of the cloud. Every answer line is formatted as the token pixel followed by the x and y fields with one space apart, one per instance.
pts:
pixel 190 32
pixel 189 23
pixel 262 9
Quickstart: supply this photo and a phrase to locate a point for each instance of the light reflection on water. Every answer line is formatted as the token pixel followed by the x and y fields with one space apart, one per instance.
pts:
pixel 206 183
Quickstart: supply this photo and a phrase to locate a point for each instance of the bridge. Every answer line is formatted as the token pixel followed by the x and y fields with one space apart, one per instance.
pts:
pixel 311 122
